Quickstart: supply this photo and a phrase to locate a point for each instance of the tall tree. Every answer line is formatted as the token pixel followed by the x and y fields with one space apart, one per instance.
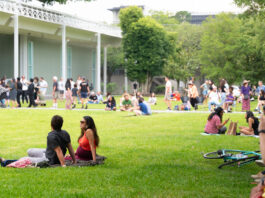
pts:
pixel 253 6
pixel 220 53
pixel 146 47
pixel 183 16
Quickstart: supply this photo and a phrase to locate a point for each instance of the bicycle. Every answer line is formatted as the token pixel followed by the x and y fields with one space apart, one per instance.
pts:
pixel 234 157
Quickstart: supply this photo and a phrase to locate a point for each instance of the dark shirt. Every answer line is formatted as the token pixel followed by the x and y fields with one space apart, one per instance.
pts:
pixel 94 98
pixel 74 91
pixel 31 89
pixel 55 84
pixel 55 139
pixel 111 104
pixel 223 89
pixel 84 86
pixel 19 86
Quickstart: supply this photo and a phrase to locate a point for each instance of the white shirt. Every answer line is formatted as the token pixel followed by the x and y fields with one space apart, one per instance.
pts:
pixel 43 87
pixel 61 86
pixel 214 97
pixel 24 85
pixel 168 87
pixel 72 84
pixel 78 84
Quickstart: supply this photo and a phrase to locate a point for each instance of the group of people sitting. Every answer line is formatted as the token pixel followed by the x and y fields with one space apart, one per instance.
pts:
pixel 216 125
pixel 59 141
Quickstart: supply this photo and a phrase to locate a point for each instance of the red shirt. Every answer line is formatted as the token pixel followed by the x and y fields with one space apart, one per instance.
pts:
pixel 84 143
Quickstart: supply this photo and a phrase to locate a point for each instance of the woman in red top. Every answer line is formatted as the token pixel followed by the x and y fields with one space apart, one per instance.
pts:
pixel 88 140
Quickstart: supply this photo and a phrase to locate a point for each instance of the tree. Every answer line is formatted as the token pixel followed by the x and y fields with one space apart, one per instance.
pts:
pixel 254 6
pixel 146 47
pixel 220 50
pixel 115 61
pixel 128 16
pixel 183 16
pixel 186 62
pixel 165 19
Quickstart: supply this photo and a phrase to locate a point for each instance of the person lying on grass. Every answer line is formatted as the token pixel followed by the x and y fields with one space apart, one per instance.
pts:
pixel 88 140
pixel 214 123
pixel 253 124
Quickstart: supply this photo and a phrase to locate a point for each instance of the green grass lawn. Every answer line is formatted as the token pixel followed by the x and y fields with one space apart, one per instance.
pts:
pixel 152 156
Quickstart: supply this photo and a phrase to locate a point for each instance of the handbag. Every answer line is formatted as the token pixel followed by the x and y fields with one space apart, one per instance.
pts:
pixel 246 97
pixel 232 128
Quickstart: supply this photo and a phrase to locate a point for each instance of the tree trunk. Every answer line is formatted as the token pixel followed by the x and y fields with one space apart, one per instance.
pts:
pixel 146 86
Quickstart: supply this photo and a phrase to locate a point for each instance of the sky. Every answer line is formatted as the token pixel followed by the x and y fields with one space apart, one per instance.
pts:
pixel 98 10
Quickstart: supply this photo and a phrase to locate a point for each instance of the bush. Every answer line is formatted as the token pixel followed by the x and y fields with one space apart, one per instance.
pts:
pixel 111 87
pixel 159 89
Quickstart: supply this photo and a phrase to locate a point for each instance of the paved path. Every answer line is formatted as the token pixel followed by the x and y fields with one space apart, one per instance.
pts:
pixel 154 111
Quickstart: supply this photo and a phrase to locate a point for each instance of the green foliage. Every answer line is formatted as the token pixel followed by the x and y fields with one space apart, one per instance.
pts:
pixel 165 19
pixel 111 87
pixel 183 16
pixel 254 7
pixel 220 52
pixel 159 89
pixel 146 46
pixel 128 16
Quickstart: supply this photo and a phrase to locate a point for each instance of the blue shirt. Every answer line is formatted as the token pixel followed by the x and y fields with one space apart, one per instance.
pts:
pixel 260 88
pixel 143 108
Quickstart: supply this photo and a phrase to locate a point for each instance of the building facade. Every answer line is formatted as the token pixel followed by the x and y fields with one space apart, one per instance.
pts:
pixel 35 41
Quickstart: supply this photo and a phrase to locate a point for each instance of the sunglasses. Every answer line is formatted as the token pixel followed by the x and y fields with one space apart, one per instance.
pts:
pixel 82 122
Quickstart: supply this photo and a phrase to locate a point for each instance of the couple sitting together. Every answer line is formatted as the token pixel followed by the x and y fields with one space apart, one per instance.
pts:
pixel 58 141
pixel 215 125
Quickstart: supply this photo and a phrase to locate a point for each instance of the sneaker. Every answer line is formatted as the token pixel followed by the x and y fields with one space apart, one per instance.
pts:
pixel 73 106
pixel 258 176
pixel 260 163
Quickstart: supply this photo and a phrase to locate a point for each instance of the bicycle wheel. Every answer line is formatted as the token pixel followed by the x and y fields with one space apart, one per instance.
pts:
pixel 244 160
pixel 214 155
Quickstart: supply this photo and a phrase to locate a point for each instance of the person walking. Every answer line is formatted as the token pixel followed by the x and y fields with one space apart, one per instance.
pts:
pixel 68 94
pixel 168 92
pixel 31 93
pixel 55 92
pixel 19 91
pixel 193 94
pixel 245 95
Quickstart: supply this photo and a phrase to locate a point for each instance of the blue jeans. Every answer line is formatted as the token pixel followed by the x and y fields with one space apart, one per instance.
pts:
pixel 223 97
pixel 210 103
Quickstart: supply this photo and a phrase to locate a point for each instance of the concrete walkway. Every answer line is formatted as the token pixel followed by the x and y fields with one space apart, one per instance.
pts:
pixel 153 111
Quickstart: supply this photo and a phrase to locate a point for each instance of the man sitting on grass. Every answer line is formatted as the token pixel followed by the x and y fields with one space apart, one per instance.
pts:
pixel 142 109
pixel 126 103
pixel 58 141
pixel 93 99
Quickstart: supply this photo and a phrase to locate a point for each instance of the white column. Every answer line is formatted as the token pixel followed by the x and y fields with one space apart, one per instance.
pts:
pixel 125 80
pixel 105 70
pixel 98 62
pixel 23 46
pixel 64 71
pixel 16 46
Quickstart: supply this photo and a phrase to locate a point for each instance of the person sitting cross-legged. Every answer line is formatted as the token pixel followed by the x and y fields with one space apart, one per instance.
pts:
pixel 253 124
pixel 93 99
pixel 126 103
pixel 142 109
pixel 110 104
pixel 214 123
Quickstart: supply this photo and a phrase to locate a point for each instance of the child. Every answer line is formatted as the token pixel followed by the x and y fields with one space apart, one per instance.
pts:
pixel 229 99
pixel 74 95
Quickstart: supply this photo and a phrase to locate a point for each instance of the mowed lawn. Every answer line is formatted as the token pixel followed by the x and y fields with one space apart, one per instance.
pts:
pixel 154 156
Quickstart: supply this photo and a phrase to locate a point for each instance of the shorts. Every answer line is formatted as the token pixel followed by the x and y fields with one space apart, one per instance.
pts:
pixel 168 96
pixel 205 92
pixel 84 94
pixel 61 92
pixel 56 95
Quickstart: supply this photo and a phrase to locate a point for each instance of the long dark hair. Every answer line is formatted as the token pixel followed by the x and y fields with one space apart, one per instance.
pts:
pixel 262 93
pixel 90 125
pixel 68 84
pixel 218 111
pixel 250 115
